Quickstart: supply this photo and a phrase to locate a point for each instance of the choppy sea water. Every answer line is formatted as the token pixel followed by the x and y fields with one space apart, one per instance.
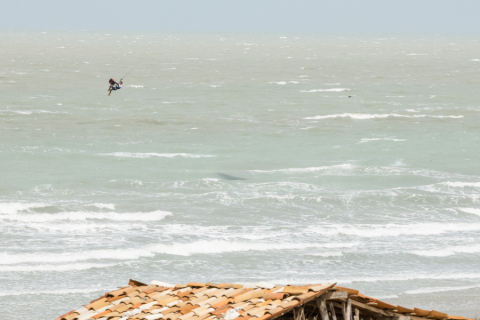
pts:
pixel 238 158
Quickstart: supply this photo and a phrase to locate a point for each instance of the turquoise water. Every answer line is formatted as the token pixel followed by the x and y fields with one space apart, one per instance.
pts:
pixel 238 158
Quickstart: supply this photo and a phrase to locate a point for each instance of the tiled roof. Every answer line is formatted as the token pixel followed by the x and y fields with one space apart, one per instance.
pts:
pixel 226 301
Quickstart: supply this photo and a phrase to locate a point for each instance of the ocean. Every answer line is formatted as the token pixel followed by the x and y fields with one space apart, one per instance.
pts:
pixel 287 159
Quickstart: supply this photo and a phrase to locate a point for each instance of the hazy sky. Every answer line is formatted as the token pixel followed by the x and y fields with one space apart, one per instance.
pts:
pixel 284 16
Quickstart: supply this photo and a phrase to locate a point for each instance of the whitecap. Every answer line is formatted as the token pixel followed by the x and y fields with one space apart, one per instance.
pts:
pixel 110 206
pixel 440 289
pixel 448 251
pixel 458 184
pixel 364 140
pixel 393 230
pixel 177 249
pixel 327 90
pixel 218 246
pixel 54 292
pixel 363 116
pixel 141 155
pixel 15 207
pixel 346 166
pixel 83 216
pixel 54 268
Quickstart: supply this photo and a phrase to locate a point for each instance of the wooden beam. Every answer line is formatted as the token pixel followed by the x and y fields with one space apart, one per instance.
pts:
pixel 347 309
pixel 372 309
pixel 335 295
pixel 332 310
pixel 356 315
pixel 322 306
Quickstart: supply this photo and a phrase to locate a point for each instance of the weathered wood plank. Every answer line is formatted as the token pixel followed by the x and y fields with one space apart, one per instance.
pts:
pixel 332 310
pixel 335 295
pixel 347 309
pixel 322 306
pixel 357 314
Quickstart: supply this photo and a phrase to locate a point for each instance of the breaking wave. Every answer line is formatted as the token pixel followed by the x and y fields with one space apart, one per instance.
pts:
pixel 327 90
pixel 367 116
pixel 54 268
pixel 311 169
pixel 160 155
pixel 178 249
pixel 81 216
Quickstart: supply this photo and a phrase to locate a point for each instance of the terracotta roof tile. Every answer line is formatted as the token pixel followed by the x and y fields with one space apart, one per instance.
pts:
pixel 64 315
pixel 249 295
pixel 196 284
pixel 211 284
pixel 421 313
pixel 437 315
pixel 230 285
pixel 350 291
pixel 101 314
pixel 295 290
pixel 235 292
pixel 221 302
pixel 209 301
pixel 275 296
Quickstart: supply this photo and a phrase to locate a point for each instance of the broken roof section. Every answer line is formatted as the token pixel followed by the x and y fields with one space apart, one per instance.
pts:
pixel 226 301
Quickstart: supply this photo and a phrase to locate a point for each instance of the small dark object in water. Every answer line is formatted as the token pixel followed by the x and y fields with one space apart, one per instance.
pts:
pixel 228 177
pixel 349 96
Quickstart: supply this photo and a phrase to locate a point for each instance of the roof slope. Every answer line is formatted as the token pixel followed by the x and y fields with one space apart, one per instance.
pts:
pixel 209 301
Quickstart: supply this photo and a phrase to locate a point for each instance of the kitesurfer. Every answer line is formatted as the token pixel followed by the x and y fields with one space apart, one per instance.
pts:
pixel 114 85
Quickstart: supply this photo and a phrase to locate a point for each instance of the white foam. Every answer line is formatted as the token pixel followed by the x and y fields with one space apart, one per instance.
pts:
pixel 364 140
pixel 327 254
pixel 160 155
pixel 417 54
pixel 280 82
pixel 411 276
pixel 458 184
pixel 54 292
pixel 15 207
pixel 327 90
pixel 110 206
pixel 475 211
pixel 366 116
pixel 389 296
pixel 63 257
pixel 440 289
pixel 345 166
pixel 178 249
pixel 54 268
pixel 393 230
pixel 82 216
pixel 135 86
pixel 448 251
pixel 218 246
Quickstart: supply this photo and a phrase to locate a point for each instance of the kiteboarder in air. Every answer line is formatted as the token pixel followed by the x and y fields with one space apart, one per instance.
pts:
pixel 114 85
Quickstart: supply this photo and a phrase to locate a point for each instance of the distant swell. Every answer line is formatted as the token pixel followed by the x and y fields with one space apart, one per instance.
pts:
pixel 212 247
pixel 54 268
pixel 311 169
pixel 52 292
pixel 440 289
pixel 394 230
pixel 177 249
pixel 327 90
pixel 448 251
pixel 160 155
pixel 81 216
pixel 366 116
